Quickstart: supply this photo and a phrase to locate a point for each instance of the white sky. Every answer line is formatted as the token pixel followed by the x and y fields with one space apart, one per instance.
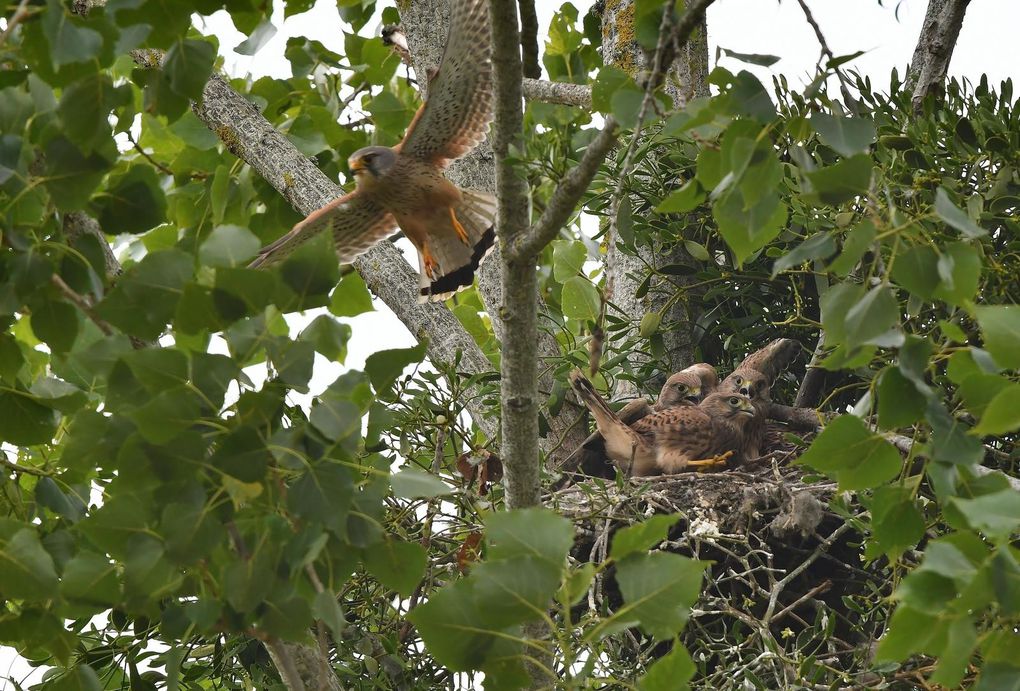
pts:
pixel 987 44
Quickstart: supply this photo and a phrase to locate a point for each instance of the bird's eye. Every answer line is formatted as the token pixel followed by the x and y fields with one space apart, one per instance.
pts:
pixel 738 381
pixel 681 387
pixel 734 401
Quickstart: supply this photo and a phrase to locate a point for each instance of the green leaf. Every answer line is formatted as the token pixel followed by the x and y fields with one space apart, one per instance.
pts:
pixel 959 267
pixel 23 421
pixel 909 632
pixel 413 484
pixel 997 515
pixel 71 175
pixel 697 250
pixel 133 202
pixel 26 569
pixel 336 417
pixel 614 92
pixel 580 299
pixel 1000 326
pixel 323 494
pixel 917 271
pixel 188 66
pixel 899 404
pixel 818 246
pixel 847 136
pixel 961 639
pixel 397 564
pixel 329 337
pixel 1002 414
pixel 79 678
pixel 457 632
pixel 383 367
pixel 842 181
pixel 658 591
pixel 56 323
pixel 91 578
pixel 641 537
pixel 568 259
pixel 672 672
pixel 835 303
pixel 242 454
pixel 747 230
pixel 146 296
pixel 857 457
pixel 576 584
pixel 69 43
pixel 856 243
pixel 955 217
pixel 351 297
pixel 529 532
pixel 682 200
pixel 258 38
pixel 870 320
pixel 228 246
pixel 326 609
pixel 896 523
pixel 752 58
pixel 85 105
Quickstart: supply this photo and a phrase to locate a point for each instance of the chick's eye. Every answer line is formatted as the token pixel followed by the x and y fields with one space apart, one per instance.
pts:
pixel 734 401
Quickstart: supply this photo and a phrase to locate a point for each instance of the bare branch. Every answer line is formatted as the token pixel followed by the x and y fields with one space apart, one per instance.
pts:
pixel 19 14
pixel 529 39
pixel 562 93
pixel 934 50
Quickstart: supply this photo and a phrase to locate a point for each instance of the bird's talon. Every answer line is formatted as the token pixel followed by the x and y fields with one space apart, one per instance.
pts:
pixel 430 263
pixel 461 233
pixel 708 464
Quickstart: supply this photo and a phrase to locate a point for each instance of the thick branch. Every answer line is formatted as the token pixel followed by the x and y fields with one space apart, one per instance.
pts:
pixel 519 361
pixel 934 50
pixel 562 93
pixel 529 39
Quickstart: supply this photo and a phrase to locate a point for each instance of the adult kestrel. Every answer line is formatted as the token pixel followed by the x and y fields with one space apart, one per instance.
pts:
pixel 686 387
pixel 754 385
pixel 405 186
pixel 670 440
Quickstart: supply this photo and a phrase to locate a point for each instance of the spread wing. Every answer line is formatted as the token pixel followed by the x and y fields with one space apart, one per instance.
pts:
pixel 458 111
pixel 773 358
pixel 355 222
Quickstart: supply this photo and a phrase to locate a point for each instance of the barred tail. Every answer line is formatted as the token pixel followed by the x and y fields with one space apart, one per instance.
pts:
pixel 458 261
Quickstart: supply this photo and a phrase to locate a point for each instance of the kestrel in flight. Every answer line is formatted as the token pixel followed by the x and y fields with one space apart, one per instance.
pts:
pixel 670 440
pixel 405 186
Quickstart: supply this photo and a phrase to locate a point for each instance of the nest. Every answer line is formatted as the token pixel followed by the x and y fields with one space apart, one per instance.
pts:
pixel 777 604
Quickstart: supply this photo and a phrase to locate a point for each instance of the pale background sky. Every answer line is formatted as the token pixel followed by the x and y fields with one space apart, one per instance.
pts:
pixel 987 45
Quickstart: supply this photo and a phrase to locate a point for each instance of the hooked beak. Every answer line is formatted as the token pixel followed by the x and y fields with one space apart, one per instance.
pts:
pixel 693 395
pixel 358 166
pixel 746 408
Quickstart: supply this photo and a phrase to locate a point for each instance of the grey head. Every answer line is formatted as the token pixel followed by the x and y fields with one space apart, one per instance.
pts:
pixel 375 160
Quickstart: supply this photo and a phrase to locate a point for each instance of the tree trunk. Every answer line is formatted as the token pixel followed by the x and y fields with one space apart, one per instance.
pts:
pixel 625 269
pixel 934 50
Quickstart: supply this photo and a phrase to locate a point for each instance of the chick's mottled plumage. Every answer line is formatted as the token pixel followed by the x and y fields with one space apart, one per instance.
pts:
pixel 667 440
pixel 755 386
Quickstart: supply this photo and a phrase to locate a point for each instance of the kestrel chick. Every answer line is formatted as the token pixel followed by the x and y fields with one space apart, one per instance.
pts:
pixel 405 186
pixel 669 440
pixel 755 386
pixel 686 388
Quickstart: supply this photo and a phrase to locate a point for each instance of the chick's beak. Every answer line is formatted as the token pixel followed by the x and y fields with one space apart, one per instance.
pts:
pixel 746 407
pixel 693 394
pixel 357 165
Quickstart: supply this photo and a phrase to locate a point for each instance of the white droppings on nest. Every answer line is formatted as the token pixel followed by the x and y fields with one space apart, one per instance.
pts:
pixel 703 527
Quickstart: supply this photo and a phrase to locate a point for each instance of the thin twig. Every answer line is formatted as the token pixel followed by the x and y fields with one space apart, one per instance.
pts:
pixel 785 581
pixel 19 14
pixel 21 468
pixel 825 49
pixel 817 590
pixel 81 303
pixel 138 147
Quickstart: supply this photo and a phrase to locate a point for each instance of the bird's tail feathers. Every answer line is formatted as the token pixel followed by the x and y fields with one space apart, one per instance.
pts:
pixel 457 260
pixel 587 394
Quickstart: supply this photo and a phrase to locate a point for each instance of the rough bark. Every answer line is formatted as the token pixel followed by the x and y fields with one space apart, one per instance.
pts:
pixel 934 50
pixel 519 311
pixel 626 269
pixel 425 25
